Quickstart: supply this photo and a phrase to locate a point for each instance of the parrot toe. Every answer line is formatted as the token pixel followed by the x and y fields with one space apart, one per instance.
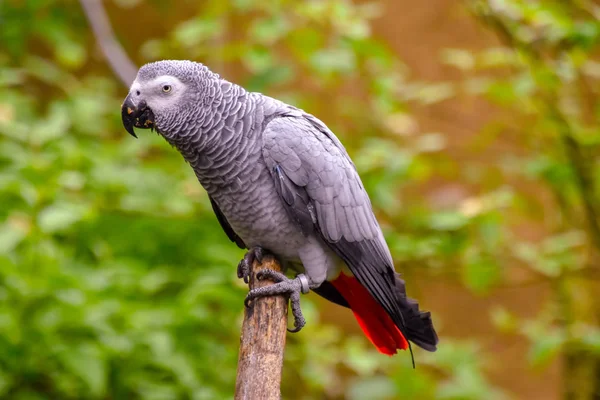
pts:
pixel 299 320
pixel 245 264
pixel 283 285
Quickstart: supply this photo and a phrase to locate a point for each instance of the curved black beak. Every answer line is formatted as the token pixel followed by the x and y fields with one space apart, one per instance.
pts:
pixel 139 116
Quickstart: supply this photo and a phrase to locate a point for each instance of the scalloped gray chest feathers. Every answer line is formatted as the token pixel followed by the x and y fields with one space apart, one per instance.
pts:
pixel 224 148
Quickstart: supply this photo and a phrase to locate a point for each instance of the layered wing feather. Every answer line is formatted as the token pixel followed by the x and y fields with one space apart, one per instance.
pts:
pixel 320 186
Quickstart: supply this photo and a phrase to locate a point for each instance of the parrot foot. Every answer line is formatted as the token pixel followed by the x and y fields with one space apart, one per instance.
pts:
pixel 245 265
pixel 283 284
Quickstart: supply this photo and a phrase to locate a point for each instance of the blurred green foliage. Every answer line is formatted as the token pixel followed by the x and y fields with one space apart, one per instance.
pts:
pixel 552 92
pixel 116 281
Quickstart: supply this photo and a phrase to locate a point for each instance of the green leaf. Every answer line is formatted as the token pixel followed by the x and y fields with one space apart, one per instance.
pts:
pixel 448 221
pixel 53 127
pixel 480 273
pixel 504 320
pixel 591 339
pixel 198 30
pixel 270 30
pixel 376 388
pixel 459 58
pixel 59 216
pixel 10 237
pixel 87 362
pixel 546 347
pixel 6 382
pixel 334 60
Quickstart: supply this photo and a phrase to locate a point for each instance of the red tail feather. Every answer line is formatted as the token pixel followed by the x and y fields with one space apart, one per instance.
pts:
pixel 371 316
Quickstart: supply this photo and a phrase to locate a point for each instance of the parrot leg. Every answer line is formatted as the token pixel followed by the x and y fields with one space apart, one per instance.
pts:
pixel 283 284
pixel 245 265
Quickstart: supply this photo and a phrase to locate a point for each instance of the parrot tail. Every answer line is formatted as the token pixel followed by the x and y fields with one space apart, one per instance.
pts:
pixel 371 316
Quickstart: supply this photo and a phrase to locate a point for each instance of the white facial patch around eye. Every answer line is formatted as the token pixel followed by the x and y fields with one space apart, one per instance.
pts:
pixel 167 80
pixel 161 100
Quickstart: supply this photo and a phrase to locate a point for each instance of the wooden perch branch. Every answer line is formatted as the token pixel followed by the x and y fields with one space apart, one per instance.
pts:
pixel 262 342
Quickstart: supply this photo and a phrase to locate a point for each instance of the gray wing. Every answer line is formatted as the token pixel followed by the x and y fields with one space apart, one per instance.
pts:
pixel 225 225
pixel 319 184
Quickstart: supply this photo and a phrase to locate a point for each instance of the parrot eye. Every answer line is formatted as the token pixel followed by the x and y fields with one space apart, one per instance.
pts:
pixel 166 88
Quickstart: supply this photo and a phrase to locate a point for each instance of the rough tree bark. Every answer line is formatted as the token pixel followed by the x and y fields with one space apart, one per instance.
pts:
pixel 262 342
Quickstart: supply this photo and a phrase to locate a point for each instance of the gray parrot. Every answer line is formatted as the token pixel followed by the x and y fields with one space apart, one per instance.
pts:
pixel 280 181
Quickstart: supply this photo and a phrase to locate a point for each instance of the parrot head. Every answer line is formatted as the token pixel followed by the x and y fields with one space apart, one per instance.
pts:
pixel 162 94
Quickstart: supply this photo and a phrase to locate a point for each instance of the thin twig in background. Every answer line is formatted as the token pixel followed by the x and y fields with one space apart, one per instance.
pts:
pixel 116 57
